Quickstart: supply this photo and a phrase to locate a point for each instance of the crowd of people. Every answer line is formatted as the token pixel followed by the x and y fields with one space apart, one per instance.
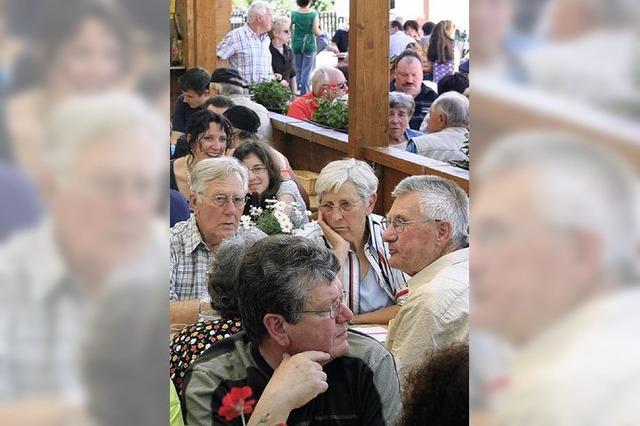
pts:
pixel 279 308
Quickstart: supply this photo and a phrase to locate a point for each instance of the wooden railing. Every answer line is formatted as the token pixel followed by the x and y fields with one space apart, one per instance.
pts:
pixel 311 147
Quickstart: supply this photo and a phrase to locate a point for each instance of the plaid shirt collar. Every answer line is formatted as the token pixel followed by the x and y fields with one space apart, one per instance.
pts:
pixel 252 33
pixel 193 238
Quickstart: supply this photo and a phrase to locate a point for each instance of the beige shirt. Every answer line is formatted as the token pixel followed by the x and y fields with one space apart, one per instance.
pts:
pixel 436 313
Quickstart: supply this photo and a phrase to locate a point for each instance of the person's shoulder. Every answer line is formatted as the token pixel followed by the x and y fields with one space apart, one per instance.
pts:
pixel 227 359
pixel 366 348
pixel 427 93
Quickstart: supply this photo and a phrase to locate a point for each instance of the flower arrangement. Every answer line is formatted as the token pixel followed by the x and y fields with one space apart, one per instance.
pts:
pixel 279 217
pixel 333 113
pixel 236 404
pixel 272 95
pixel 463 164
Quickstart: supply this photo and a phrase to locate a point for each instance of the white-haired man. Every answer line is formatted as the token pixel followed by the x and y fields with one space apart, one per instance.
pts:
pixel 448 127
pixel 247 48
pixel 428 235
pixel 218 190
pixel 327 82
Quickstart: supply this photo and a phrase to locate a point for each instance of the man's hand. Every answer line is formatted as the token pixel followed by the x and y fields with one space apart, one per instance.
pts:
pixel 297 380
pixel 339 244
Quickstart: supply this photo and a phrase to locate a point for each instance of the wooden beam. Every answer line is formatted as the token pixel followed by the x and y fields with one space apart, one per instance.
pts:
pixel 368 74
pixel 207 23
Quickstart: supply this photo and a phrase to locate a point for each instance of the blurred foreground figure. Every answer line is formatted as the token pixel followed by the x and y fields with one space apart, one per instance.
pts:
pixel 102 179
pixel 554 274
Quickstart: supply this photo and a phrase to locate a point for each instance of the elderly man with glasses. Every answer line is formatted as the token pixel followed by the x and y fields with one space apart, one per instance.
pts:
pixel 296 354
pixel 218 193
pixel 428 236
pixel 327 82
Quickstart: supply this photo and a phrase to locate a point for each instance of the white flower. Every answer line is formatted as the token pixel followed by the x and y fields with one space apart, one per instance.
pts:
pixel 246 222
pixel 287 228
pixel 280 205
pixel 255 211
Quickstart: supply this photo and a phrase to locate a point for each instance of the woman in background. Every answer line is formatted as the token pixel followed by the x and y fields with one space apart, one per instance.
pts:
pixel 281 53
pixel 441 50
pixel 306 26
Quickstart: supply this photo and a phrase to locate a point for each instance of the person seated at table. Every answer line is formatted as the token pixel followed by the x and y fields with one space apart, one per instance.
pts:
pixel 194 85
pixel 347 193
pixel 448 125
pixel 190 342
pixel 265 182
pixel 407 72
pixel 401 108
pixel 296 353
pixel 218 194
pixel 456 82
pixel 327 82
pixel 428 237
pixel 244 125
pixel 438 389
pixel 208 134
pixel 218 103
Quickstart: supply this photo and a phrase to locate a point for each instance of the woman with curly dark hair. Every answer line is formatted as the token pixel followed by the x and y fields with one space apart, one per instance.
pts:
pixel 437 392
pixel 208 135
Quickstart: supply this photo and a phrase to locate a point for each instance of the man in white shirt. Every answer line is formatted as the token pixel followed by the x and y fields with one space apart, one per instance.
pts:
pixel 428 240
pixel 448 125
pixel 398 40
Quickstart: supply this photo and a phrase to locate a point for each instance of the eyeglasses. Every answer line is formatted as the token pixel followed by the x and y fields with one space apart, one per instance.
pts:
pixel 399 224
pixel 333 310
pixel 344 206
pixel 341 86
pixel 223 200
pixel 257 169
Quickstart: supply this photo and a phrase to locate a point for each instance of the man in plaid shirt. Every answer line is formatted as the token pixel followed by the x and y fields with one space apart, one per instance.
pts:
pixel 247 48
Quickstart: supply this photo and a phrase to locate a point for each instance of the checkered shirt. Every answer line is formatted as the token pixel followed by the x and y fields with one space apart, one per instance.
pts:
pixel 248 53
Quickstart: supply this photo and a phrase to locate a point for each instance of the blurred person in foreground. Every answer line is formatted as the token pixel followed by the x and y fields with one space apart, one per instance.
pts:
pixel 326 82
pixel 302 363
pixel 555 276
pixel 99 230
pixel 347 192
pixel 437 392
pixel 82 47
pixel 218 191
pixel 448 125
pixel 428 237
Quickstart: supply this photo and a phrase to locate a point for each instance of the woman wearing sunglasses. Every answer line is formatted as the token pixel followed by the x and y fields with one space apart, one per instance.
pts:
pixel 347 193
pixel 281 53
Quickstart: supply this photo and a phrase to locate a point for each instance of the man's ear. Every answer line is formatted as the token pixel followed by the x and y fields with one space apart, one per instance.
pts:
pixel 444 232
pixel 276 327
pixel 193 201
pixel 372 202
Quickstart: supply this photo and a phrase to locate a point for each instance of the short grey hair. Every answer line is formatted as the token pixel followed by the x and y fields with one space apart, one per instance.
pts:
pixel 275 276
pixel 258 8
pixel 402 100
pixel 356 172
pixel 454 106
pixel 217 168
pixel 578 185
pixel 90 119
pixel 322 76
pixel 440 199
pixel 226 89
pixel 280 22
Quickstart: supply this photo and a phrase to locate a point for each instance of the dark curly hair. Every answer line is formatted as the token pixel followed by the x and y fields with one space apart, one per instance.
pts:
pixel 437 392
pixel 198 124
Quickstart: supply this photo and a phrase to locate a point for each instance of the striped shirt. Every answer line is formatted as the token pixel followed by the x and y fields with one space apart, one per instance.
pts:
pixel 248 53
pixel 392 281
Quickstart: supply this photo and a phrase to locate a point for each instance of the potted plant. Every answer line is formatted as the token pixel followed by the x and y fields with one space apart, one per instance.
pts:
pixel 333 113
pixel 272 95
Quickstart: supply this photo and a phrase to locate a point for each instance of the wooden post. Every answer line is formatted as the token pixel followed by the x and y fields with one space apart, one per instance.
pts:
pixel 207 24
pixel 426 10
pixel 368 74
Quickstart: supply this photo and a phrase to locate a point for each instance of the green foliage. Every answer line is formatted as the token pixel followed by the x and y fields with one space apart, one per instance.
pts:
pixel 463 164
pixel 272 95
pixel 323 5
pixel 268 224
pixel 284 7
pixel 334 114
